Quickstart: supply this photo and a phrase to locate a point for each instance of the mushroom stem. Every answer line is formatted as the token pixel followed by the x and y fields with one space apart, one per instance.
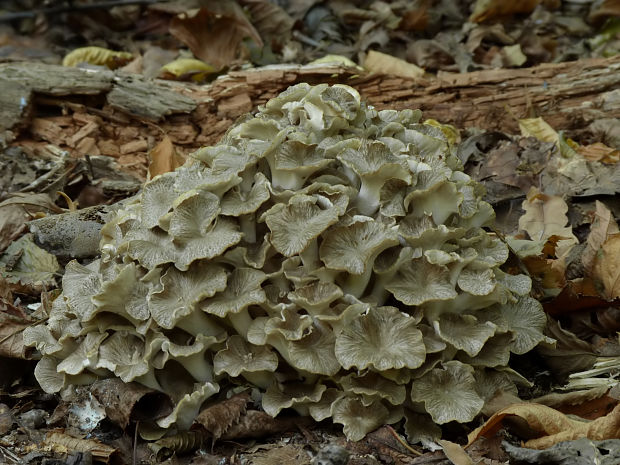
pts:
pixel 241 321
pixel 149 380
pixel 355 284
pixel 248 227
pixel 310 256
pixel 262 379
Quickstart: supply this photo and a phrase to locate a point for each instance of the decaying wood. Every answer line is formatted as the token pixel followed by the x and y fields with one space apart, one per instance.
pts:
pixel 124 115
pixel 568 95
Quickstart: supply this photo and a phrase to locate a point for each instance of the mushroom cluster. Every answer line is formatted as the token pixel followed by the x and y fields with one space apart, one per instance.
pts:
pixel 330 254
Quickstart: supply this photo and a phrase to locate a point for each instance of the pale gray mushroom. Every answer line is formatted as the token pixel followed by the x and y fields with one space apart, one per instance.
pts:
pixel 330 254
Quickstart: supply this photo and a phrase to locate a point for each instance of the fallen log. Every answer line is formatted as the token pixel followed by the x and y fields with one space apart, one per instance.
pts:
pixel 95 114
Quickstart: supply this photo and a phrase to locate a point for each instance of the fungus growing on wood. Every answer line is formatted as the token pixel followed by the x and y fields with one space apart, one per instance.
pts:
pixel 332 255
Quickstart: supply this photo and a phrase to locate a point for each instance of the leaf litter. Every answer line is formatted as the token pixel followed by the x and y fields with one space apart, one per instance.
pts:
pixel 561 176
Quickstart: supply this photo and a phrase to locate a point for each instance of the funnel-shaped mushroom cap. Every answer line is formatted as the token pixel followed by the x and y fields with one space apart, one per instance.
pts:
pixel 314 353
pixel 124 295
pixel 150 247
pixel 281 396
pixel 243 289
pixel 354 247
pixel 373 385
pixel 80 283
pixel 47 375
pixel 384 338
pixel 293 162
pixel 193 213
pixel 525 318
pixel 419 281
pixel 84 356
pixel 316 297
pixel 183 290
pixel 290 324
pixel 188 407
pixel 240 356
pixel 157 198
pixel 123 354
pixel 464 332
pixel 449 393
pixel 223 234
pixel 374 163
pixel 295 225
pixel 358 419
pixel 237 202
pixel 42 339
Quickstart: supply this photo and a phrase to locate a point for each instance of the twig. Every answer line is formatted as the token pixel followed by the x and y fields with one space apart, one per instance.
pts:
pixel 34 323
pixel 8 454
pixel 134 456
pixel 72 8
pixel 402 442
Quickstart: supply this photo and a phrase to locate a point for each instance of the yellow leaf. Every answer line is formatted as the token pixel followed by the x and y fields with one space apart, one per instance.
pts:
pixel 551 426
pixel 335 60
pixel 607 267
pixel 184 68
pixel 538 128
pixel 378 62
pixel 97 56
pixel 163 158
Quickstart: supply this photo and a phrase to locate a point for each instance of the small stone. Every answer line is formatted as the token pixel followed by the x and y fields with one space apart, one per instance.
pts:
pixel 32 419
pixel 332 454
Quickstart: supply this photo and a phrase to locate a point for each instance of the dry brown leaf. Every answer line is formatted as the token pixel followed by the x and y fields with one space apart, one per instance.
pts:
pixel 63 443
pixel 377 62
pixel 607 267
pixel 284 454
pixel 491 9
pixel 125 402
pixel 551 425
pixel 164 158
pixel 599 152
pixel 219 418
pixel 272 22
pixel 11 328
pixel 602 227
pixel 604 10
pixel 257 424
pixel 545 216
pixel 455 453
pixel 215 34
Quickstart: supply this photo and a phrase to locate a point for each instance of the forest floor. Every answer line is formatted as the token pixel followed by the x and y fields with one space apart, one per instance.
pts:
pixel 97 99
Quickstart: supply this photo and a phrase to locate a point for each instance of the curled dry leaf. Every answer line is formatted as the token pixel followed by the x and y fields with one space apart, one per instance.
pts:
pixel 125 402
pixel 455 453
pixel 485 10
pixel 599 152
pixel 97 56
pixel 603 226
pixel 215 34
pixel 219 418
pixel 164 158
pixel 545 216
pixel 60 442
pixel 551 426
pixel 607 267
pixel 377 62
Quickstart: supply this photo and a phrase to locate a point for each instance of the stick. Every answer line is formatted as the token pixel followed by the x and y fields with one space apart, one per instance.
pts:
pixel 71 8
